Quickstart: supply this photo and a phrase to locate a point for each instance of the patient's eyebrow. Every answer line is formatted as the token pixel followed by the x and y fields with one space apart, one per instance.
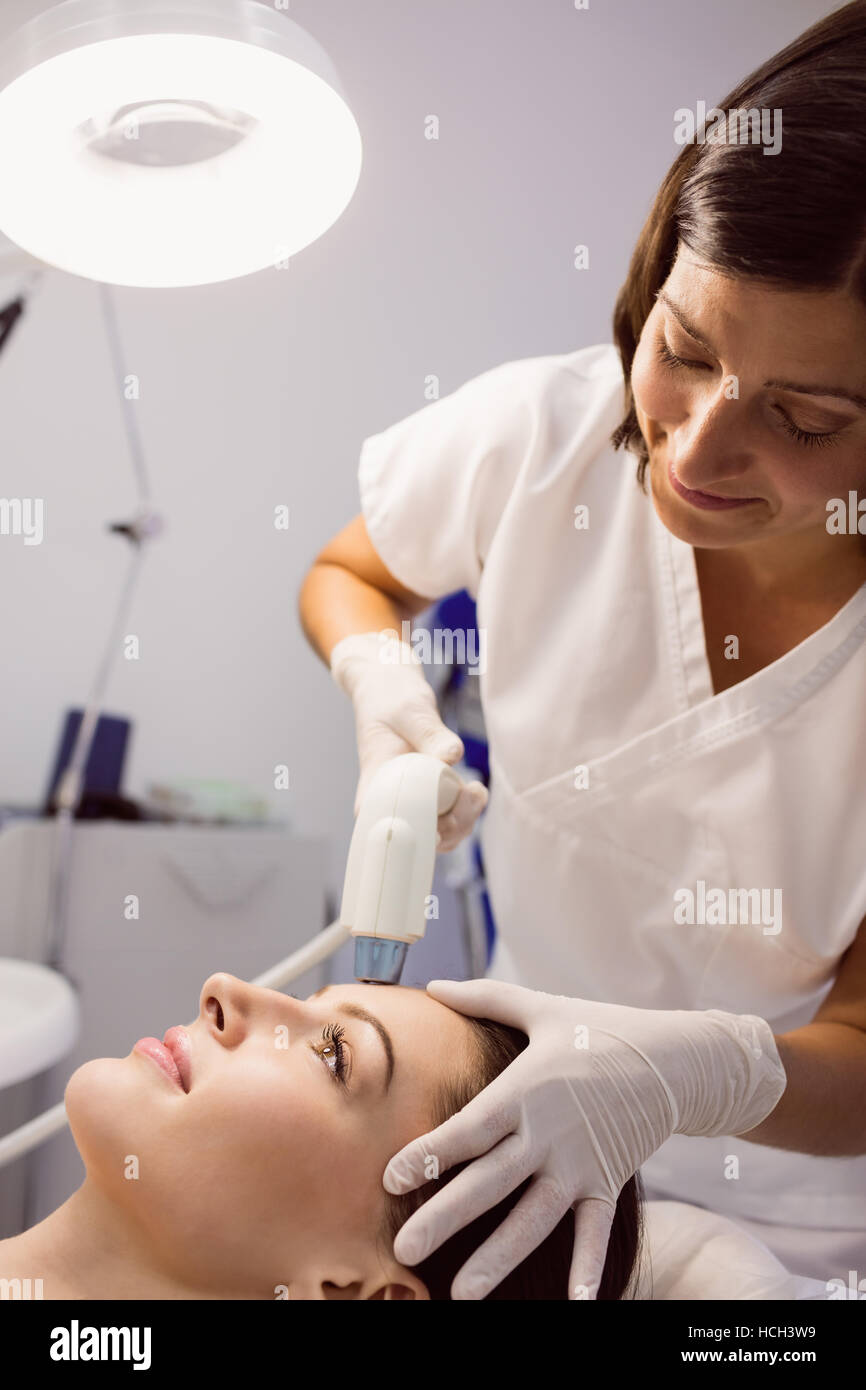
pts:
pixel 355 1011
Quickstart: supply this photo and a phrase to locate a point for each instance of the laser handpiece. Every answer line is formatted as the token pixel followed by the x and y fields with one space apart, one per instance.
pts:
pixel 389 872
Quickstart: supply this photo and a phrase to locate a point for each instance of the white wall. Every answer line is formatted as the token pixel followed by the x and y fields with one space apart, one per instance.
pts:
pixel 556 126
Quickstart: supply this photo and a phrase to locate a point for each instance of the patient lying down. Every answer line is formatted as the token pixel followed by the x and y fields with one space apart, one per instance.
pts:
pixel 246 1161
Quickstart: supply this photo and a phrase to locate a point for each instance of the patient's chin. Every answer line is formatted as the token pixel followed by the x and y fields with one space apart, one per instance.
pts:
pixel 106 1110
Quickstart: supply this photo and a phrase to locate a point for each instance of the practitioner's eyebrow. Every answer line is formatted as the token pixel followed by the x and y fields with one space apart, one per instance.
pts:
pixel 837 392
pixel 355 1011
pixel 689 327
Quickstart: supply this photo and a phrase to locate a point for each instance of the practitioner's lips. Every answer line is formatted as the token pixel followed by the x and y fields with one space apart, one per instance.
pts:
pixel 709 501
pixel 171 1055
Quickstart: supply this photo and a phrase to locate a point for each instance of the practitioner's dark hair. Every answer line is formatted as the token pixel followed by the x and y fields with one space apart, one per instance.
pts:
pixel 794 219
pixel 543 1274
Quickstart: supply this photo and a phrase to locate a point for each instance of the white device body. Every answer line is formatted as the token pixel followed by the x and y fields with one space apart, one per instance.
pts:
pixel 389 872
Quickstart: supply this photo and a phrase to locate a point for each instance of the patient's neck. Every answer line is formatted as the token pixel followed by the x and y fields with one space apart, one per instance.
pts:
pixel 89 1248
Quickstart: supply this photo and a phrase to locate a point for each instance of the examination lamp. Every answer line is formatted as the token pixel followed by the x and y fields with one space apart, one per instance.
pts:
pixel 170 142
pixel 392 856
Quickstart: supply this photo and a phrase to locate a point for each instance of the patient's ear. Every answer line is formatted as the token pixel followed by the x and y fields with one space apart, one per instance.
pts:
pixel 392 1283
pixel 397 1283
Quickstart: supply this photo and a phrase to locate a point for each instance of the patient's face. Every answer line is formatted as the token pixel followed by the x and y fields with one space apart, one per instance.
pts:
pixel 268 1170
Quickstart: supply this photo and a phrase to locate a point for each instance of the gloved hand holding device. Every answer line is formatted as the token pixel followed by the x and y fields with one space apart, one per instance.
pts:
pixel 599 1088
pixel 396 712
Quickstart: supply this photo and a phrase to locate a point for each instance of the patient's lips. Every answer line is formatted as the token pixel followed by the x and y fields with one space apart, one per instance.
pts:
pixel 172 1055
pixel 176 1041
pixel 153 1048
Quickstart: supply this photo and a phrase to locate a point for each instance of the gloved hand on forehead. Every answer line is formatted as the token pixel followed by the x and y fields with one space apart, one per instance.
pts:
pixel 396 712
pixel 599 1088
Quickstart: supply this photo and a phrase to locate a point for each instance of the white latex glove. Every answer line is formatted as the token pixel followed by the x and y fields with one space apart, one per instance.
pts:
pixel 396 712
pixel 599 1088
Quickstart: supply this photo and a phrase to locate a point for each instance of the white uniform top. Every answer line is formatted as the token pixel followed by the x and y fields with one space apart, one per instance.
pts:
pixel 688 1253
pixel 596 661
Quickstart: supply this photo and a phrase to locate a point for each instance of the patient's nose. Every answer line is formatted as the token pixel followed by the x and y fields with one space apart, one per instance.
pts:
pixel 232 1008
pixel 226 1006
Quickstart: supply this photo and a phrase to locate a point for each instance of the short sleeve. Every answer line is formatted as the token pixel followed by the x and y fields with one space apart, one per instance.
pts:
pixel 434 485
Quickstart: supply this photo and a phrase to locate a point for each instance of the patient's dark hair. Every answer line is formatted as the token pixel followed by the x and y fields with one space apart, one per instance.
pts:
pixel 544 1273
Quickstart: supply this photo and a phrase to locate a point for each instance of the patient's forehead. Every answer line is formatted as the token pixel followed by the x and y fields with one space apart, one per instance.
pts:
pixel 393 1001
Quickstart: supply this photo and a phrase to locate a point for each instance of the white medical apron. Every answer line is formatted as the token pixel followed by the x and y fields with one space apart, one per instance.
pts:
pixel 618 779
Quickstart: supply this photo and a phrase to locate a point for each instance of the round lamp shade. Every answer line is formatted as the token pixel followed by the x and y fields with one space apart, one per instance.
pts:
pixel 170 142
